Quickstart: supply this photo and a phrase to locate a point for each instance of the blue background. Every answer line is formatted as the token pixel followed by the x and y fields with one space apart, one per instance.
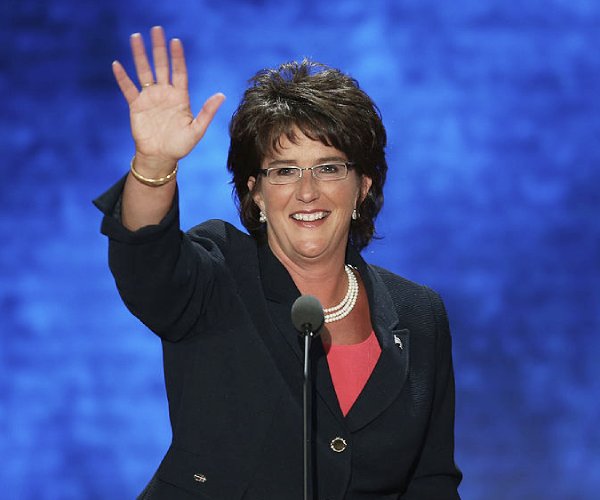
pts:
pixel 493 118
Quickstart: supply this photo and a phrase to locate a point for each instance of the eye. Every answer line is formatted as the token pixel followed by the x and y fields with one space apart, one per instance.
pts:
pixel 284 172
pixel 330 168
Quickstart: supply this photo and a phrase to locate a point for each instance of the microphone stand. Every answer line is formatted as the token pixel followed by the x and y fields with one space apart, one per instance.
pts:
pixel 308 318
pixel 307 411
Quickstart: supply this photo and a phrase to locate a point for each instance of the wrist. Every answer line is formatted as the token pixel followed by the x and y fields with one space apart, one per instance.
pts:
pixel 153 172
pixel 153 166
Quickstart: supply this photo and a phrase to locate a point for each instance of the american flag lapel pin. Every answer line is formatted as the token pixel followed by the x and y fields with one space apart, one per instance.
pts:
pixel 398 342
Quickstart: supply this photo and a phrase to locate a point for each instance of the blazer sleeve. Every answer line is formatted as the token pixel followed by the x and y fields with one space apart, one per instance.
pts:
pixel 164 278
pixel 436 475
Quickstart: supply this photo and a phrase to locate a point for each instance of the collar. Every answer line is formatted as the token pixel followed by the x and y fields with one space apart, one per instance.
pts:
pixel 277 283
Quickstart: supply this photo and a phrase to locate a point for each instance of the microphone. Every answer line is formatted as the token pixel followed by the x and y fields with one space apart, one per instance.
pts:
pixel 307 315
pixel 308 318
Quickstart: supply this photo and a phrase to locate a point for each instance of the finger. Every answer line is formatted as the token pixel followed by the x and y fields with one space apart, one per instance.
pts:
pixel 142 66
pixel 159 53
pixel 180 76
pixel 207 113
pixel 128 88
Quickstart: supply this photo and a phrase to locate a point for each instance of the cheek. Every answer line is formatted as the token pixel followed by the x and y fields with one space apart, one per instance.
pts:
pixel 271 200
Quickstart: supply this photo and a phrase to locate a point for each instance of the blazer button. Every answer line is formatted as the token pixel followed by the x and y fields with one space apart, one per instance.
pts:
pixel 338 444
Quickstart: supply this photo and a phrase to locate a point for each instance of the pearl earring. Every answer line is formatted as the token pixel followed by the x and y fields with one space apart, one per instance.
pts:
pixel 354 214
pixel 262 217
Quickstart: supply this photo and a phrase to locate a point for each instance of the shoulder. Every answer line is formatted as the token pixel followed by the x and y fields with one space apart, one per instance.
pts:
pixel 410 297
pixel 397 284
pixel 400 288
pixel 395 280
pixel 224 235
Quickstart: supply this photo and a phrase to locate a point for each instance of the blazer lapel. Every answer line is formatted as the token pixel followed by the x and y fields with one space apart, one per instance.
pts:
pixel 390 372
pixel 281 292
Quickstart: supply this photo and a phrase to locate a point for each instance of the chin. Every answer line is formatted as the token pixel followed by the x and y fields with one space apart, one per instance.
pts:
pixel 311 250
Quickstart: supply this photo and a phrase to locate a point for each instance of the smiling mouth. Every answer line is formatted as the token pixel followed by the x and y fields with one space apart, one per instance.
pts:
pixel 309 217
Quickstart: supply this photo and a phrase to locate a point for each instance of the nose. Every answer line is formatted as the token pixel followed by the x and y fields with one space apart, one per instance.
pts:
pixel 307 188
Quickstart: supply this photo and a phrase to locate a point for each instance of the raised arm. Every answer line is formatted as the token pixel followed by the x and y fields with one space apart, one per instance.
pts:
pixel 163 126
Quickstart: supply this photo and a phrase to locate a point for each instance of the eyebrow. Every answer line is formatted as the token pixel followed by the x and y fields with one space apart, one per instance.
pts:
pixel 320 161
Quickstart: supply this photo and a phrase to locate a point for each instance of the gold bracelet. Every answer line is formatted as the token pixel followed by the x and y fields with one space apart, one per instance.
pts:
pixel 153 182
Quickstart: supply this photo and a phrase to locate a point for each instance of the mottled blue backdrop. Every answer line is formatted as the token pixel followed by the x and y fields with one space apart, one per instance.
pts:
pixel 493 117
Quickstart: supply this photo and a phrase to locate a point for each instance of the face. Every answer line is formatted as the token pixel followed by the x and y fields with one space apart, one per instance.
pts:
pixel 309 219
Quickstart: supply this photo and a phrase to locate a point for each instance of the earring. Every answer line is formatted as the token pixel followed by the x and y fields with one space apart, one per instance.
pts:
pixel 354 214
pixel 262 217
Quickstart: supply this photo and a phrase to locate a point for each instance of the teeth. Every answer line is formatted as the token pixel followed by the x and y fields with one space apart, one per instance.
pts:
pixel 309 217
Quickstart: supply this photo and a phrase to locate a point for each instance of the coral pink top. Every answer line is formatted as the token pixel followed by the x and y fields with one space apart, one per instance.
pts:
pixel 350 367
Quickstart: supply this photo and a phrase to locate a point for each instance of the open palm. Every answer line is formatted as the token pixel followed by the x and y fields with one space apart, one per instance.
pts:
pixel 162 123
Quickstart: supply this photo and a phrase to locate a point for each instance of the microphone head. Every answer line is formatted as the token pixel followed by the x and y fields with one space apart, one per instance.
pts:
pixel 307 314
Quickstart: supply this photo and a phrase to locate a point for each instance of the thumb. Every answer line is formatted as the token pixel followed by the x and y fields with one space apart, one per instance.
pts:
pixel 207 113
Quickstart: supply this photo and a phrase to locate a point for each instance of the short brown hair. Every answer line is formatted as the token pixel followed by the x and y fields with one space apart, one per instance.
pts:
pixel 325 105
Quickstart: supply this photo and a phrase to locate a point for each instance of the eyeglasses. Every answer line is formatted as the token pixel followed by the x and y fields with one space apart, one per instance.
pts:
pixel 333 171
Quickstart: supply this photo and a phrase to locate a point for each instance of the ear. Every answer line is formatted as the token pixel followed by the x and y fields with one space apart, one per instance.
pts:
pixel 255 193
pixel 365 185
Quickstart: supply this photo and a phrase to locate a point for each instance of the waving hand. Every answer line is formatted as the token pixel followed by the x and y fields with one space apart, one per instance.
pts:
pixel 163 125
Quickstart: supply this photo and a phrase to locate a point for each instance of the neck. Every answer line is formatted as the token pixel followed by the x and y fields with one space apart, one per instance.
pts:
pixel 325 278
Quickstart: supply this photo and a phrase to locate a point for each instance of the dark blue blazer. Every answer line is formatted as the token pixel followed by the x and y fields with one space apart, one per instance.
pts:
pixel 233 370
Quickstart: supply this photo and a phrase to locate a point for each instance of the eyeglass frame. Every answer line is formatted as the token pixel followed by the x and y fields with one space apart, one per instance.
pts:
pixel 347 164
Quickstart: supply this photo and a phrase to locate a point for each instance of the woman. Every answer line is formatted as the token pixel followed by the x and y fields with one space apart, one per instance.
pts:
pixel 308 165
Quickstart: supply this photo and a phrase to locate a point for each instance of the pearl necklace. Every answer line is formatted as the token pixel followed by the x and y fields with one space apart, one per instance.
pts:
pixel 344 308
